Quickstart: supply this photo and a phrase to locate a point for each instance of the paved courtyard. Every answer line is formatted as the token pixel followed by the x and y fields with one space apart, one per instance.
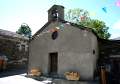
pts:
pixel 20 79
pixel 17 76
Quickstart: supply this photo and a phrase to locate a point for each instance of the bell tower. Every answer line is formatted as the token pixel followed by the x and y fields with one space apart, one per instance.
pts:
pixel 56 12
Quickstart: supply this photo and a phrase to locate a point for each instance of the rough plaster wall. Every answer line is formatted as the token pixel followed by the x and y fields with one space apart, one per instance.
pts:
pixel 38 55
pixel 94 45
pixel 74 47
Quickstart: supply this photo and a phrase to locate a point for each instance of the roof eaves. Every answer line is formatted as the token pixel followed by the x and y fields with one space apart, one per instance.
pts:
pixel 63 21
pixel 10 34
pixel 40 30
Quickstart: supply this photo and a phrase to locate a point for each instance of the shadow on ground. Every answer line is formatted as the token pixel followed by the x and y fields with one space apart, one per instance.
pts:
pixel 10 72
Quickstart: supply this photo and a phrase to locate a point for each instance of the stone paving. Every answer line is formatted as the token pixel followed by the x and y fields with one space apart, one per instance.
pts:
pixel 16 76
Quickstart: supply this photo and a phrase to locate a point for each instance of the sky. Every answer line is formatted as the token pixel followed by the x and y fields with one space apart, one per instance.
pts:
pixel 34 13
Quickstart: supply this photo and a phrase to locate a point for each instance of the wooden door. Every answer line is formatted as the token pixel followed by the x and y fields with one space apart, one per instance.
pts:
pixel 53 59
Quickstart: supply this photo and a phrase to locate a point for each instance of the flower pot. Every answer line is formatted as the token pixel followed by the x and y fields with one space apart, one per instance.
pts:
pixel 72 75
pixel 35 72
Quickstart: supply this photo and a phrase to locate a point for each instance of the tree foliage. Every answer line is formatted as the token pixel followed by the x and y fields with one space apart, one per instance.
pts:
pixel 81 17
pixel 24 30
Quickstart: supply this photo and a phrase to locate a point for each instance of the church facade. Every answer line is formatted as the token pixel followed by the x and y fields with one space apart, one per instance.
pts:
pixel 60 46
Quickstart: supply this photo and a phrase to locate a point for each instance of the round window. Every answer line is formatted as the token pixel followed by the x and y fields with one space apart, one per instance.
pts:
pixel 54 35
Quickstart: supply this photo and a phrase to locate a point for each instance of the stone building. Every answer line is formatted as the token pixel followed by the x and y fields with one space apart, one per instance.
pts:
pixel 109 57
pixel 14 46
pixel 60 46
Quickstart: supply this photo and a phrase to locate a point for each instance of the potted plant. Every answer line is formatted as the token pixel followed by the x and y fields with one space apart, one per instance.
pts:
pixel 72 75
pixel 35 72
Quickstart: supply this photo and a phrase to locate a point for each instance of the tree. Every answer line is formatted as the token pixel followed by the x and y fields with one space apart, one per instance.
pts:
pixel 77 15
pixel 81 17
pixel 24 30
pixel 100 28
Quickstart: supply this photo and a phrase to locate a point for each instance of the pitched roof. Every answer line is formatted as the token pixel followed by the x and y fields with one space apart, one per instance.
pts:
pixel 10 34
pixel 63 21
pixel 40 30
pixel 54 6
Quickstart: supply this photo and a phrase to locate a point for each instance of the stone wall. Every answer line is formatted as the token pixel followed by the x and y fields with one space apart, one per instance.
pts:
pixel 10 49
pixel 77 51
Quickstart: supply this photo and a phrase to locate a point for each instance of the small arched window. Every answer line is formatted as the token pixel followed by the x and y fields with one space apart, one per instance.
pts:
pixel 55 14
pixel 54 35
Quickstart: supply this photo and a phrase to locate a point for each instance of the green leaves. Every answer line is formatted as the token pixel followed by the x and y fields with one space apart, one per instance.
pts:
pixel 75 15
pixel 24 30
pixel 81 17
pixel 100 28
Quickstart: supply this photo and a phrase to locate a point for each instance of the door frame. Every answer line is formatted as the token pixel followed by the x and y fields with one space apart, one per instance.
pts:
pixel 49 62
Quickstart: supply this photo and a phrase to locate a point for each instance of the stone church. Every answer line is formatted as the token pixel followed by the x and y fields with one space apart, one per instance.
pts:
pixel 60 46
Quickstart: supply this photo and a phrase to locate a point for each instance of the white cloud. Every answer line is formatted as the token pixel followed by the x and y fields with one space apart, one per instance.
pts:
pixel 115 35
pixel 116 25
pixel 115 30
pixel 34 20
